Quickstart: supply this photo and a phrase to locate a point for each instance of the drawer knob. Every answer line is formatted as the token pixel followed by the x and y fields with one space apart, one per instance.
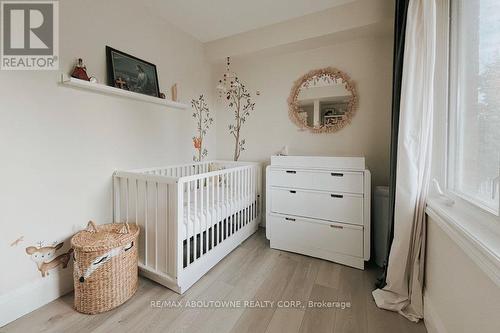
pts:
pixel 337 196
pixel 336 226
pixel 289 219
pixel 291 171
pixel 336 174
pixel 292 191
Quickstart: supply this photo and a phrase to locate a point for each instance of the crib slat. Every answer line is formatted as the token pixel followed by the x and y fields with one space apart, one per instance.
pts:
pixel 235 199
pixel 217 209
pixel 206 185
pixel 156 226
pixel 245 196
pixel 252 195
pixel 136 201
pixel 252 192
pixel 127 201
pixel 233 204
pixel 188 221
pixel 214 214
pixel 249 174
pixel 224 195
pixel 116 198
pixel 234 210
pixel 206 215
pixel 195 245
pixel 239 198
pixel 257 179
pixel 167 231
pixel 241 206
pixel 242 197
pixel 202 216
pixel 230 189
pixel 146 231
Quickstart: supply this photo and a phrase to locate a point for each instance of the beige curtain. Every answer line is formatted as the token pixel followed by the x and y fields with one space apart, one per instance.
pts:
pixel 405 273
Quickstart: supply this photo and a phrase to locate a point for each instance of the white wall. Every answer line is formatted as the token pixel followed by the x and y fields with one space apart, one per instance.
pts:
pixel 268 128
pixel 459 296
pixel 60 146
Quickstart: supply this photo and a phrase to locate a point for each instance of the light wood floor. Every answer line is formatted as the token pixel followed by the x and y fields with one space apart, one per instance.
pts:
pixel 253 271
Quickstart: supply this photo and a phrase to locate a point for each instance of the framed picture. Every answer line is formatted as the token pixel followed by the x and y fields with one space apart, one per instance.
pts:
pixel 131 73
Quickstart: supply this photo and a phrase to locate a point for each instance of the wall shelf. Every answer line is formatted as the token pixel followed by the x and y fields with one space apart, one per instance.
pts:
pixel 105 89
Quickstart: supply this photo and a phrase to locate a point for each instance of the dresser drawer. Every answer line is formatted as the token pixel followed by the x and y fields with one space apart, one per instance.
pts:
pixel 340 181
pixel 346 208
pixel 317 235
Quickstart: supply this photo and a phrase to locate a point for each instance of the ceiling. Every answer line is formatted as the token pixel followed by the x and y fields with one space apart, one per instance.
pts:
pixel 208 20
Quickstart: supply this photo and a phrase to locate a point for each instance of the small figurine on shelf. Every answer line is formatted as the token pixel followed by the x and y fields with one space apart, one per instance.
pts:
pixel 80 71
pixel 120 83
pixel 174 93
pixel 163 96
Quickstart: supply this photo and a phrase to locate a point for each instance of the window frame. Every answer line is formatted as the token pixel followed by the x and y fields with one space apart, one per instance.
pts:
pixel 452 97
pixel 475 231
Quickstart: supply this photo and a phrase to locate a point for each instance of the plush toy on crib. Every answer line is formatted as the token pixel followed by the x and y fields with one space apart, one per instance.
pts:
pixel 217 167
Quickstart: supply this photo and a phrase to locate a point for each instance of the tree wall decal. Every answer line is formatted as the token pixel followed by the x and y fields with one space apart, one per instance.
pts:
pixel 203 121
pixel 241 105
pixel 239 101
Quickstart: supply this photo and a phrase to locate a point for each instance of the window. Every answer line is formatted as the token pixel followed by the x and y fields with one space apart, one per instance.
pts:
pixel 474 102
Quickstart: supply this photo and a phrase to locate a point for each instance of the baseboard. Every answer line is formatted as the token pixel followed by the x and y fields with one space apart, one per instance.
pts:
pixel 30 297
pixel 432 321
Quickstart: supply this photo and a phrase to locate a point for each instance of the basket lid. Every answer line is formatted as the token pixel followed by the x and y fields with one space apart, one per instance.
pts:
pixel 105 236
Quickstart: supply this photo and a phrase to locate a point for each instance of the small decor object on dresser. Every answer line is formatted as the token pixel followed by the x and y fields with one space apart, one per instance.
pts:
pixel 320 206
pixel 140 76
pixel 105 271
pixel 80 71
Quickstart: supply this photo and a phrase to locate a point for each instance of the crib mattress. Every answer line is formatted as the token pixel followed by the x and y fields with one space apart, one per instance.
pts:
pixel 199 219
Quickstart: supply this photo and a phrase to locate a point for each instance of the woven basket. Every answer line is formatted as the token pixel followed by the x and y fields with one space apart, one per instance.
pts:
pixel 105 266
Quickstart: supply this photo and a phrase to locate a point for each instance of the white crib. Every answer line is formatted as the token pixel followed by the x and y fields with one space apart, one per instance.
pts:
pixel 190 217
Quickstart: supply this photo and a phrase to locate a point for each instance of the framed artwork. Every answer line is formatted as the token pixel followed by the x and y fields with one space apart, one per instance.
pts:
pixel 131 73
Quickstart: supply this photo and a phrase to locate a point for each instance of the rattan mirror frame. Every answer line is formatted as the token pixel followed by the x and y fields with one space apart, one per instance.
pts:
pixel 293 106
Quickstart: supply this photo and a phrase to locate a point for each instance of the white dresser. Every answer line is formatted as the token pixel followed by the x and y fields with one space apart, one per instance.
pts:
pixel 319 206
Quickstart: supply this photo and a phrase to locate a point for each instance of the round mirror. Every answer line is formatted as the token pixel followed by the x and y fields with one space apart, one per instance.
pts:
pixel 322 101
